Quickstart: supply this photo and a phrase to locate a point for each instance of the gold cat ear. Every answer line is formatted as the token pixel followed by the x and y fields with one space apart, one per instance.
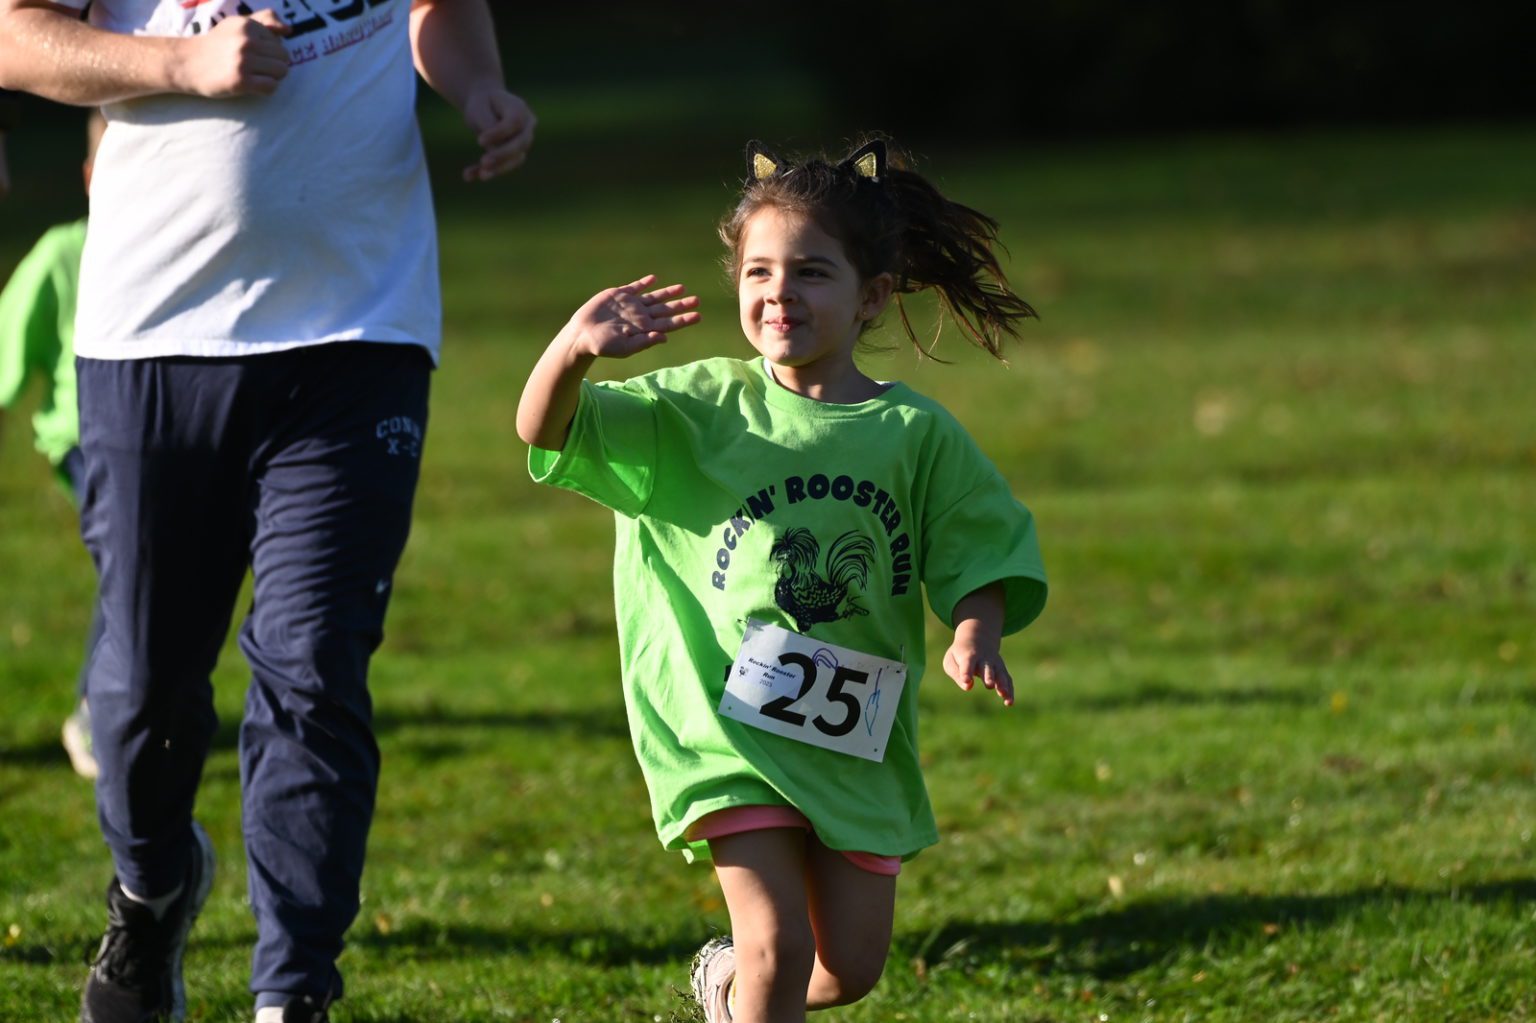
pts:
pixel 761 165
pixel 869 160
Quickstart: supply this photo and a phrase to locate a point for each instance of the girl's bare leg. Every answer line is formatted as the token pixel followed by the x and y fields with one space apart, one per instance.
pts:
pixel 851 914
pixel 763 876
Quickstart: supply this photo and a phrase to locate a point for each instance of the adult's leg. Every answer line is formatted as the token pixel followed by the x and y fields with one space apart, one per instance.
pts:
pixel 762 874
pixel 851 913
pixel 165 514
pixel 93 636
pixel 337 479
pixel 72 467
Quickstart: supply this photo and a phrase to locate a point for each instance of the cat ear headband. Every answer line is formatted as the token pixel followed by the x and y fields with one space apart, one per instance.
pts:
pixel 868 162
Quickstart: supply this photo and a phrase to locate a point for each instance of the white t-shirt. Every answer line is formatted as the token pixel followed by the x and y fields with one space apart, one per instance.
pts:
pixel 237 226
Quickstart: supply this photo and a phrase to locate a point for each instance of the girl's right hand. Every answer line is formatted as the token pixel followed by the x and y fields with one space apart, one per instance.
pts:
pixel 618 322
pixel 613 324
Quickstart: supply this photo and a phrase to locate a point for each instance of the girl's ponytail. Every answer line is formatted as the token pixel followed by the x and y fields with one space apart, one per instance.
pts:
pixel 892 220
pixel 948 247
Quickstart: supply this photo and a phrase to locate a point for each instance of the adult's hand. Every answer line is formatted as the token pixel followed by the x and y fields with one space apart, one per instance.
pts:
pixel 503 125
pixel 454 45
pixel 240 56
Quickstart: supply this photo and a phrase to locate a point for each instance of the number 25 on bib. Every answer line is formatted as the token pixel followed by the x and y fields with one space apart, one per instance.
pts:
pixel 814 692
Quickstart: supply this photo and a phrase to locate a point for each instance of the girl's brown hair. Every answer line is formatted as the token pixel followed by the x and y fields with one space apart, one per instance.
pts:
pixel 894 222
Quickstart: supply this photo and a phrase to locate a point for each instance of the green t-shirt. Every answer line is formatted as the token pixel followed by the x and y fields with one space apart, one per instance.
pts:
pixel 716 474
pixel 37 336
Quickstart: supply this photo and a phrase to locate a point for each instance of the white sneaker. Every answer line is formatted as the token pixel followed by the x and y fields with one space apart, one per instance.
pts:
pixel 77 741
pixel 714 968
pixel 303 1009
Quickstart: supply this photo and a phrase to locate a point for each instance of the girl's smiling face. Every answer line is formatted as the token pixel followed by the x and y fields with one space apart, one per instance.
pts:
pixel 803 305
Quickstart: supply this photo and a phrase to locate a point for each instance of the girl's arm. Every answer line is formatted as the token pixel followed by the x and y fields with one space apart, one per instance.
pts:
pixel 976 651
pixel 613 324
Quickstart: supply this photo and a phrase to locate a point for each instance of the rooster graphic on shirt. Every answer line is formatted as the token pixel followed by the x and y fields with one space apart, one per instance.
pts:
pixel 811 596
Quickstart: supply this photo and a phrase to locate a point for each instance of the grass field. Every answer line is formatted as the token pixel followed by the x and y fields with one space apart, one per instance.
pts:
pixel 1274 756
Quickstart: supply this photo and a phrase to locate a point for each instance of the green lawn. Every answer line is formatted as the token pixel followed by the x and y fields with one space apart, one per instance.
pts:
pixel 1274 756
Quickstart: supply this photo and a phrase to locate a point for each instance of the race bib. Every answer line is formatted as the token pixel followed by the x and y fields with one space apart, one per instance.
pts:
pixel 813 692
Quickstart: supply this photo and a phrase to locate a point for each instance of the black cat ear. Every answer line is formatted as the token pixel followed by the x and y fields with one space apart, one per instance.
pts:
pixel 869 160
pixel 761 165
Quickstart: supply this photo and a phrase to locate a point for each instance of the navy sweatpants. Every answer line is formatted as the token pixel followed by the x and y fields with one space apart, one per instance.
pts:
pixel 72 469
pixel 301 465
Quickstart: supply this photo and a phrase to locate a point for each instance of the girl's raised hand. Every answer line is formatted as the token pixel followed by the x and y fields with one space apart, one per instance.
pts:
pixel 613 324
pixel 618 322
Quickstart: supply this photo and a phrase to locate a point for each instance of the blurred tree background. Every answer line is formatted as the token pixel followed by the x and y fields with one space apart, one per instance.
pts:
pixel 995 71
pixel 1007 71
pixel 1067 67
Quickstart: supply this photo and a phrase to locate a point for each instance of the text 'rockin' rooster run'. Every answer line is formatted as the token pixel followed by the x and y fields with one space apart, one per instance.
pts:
pixel 806 589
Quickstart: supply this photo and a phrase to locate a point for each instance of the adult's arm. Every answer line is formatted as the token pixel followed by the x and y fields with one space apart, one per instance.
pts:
pixel 45 49
pixel 454 44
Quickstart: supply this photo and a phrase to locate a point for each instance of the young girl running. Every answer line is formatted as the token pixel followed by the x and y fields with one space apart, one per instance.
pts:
pixel 779 520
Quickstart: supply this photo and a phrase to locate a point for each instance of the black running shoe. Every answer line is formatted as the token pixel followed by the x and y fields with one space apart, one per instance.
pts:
pixel 136 977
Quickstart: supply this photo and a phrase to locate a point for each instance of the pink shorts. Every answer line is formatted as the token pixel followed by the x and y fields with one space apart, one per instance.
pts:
pixel 736 819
